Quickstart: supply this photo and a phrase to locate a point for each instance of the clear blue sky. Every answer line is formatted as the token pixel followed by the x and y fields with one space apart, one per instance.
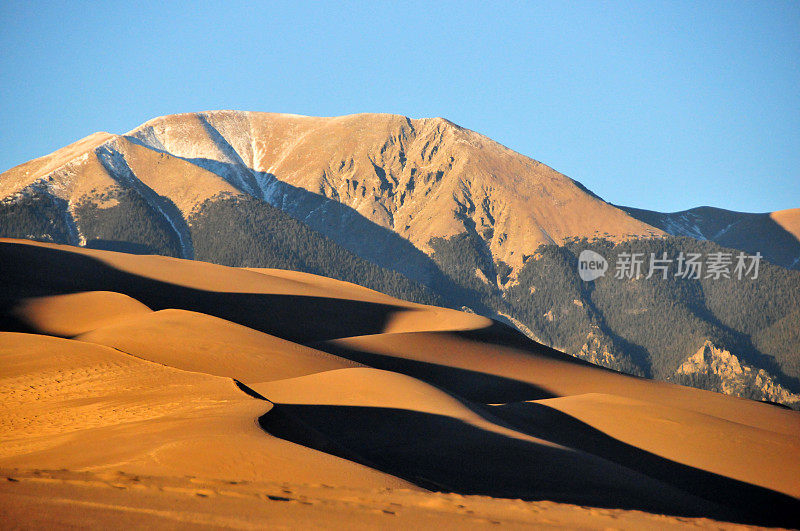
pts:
pixel 657 105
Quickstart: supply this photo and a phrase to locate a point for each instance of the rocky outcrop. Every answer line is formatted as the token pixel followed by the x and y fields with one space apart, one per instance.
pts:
pixel 734 377
pixel 597 352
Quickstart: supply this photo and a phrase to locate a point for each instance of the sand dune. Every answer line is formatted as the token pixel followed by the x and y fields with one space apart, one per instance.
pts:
pixel 75 405
pixel 197 342
pixel 789 220
pixel 757 456
pixel 493 373
pixel 281 305
pixel 364 387
pixel 75 313
pixel 428 436
pixel 416 318
pixel 46 499
pixel 329 286
pixel 200 379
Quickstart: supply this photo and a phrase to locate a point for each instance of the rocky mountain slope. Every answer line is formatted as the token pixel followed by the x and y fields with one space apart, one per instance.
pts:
pixel 359 179
pixel 652 326
pixel 420 209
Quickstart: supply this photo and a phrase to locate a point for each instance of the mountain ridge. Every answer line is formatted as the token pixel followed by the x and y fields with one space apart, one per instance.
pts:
pixel 775 234
pixel 226 153
pixel 420 178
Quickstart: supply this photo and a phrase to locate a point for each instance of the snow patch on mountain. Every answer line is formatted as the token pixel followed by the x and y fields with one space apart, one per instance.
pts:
pixel 683 225
pixel 114 162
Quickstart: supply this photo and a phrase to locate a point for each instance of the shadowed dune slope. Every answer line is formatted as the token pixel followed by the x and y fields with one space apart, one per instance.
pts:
pixel 282 306
pixel 754 455
pixel 178 368
pixel 409 429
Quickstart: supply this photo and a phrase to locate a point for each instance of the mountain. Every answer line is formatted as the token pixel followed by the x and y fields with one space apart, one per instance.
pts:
pixel 776 235
pixel 430 212
pixel 155 391
pixel 360 179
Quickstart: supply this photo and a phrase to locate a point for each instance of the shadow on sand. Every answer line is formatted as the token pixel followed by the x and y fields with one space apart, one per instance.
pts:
pixel 445 454
pixel 32 271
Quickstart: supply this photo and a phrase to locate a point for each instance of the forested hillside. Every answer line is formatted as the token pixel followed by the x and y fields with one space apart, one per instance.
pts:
pixel 651 326
pixel 647 326
pixel 247 232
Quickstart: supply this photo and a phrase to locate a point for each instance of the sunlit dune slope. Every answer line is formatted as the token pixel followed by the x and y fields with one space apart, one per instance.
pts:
pixel 789 220
pixel 317 284
pixel 197 342
pixel 757 456
pixel 75 313
pixel 70 404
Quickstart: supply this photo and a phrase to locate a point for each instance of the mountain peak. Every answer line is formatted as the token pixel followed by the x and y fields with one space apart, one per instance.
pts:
pixel 419 178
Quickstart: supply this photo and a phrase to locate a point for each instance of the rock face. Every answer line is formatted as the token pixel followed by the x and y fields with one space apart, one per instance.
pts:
pixel 354 178
pixel 734 377
pixel 597 352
